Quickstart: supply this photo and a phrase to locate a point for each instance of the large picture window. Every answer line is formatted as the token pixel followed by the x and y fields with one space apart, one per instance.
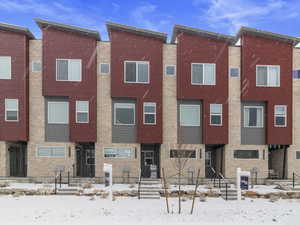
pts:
pixel 58 112
pixel 253 116
pixel 68 69
pixel 136 72
pixel 189 115
pixel 203 74
pixel 11 109
pixel 176 153
pixel 124 113
pixel 54 152
pixel 5 67
pixel 267 76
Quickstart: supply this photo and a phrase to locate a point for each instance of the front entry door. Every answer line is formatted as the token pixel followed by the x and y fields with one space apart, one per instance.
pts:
pixel 85 160
pixel 208 164
pixel 147 161
pixel 17 161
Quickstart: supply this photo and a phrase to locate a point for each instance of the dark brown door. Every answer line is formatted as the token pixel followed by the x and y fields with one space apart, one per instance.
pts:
pixel 17 161
pixel 85 160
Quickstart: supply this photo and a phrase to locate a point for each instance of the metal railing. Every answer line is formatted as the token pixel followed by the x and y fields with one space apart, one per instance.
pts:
pixel 294 178
pixel 139 185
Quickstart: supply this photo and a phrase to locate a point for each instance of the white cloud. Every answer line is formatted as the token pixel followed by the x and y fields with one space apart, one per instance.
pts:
pixel 147 16
pixel 232 14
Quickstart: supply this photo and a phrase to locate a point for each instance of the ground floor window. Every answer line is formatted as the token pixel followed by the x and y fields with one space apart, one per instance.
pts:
pixel 176 153
pixel 55 152
pixel 298 155
pixel 118 152
pixel 246 154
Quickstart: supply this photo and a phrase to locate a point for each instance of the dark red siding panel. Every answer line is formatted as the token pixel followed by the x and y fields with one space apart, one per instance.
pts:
pixel 62 44
pixel 16 46
pixel 196 49
pixel 263 51
pixel 128 46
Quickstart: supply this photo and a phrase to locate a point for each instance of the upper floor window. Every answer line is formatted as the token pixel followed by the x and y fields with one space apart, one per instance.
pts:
pixel 203 74
pixel 104 68
pixel 150 113
pixel 136 72
pixel 58 112
pixel 170 70
pixel 189 115
pixel 280 115
pixel 253 116
pixel 215 114
pixel 36 66
pixel 68 69
pixel 5 67
pixel 124 113
pixel 11 109
pixel 268 76
pixel 234 72
pixel 82 111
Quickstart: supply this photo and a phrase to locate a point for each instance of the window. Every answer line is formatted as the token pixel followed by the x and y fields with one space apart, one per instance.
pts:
pixel 5 67
pixel 234 72
pixel 11 109
pixel 136 72
pixel 104 68
pixel 253 116
pixel 297 154
pixel 246 154
pixel 55 152
pixel 170 70
pixel 36 66
pixel 189 115
pixel 124 113
pixel 175 153
pixel 216 114
pixel 280 115
pixel 149 113
pixel 82 111
pixel 68 69
pixel 90 156
pixel 268 76
pixel 296 74
pixel 58 112
pixel 203 74
pixel 118 152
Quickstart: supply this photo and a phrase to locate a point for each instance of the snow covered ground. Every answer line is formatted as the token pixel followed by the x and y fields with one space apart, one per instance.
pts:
pixel 80 210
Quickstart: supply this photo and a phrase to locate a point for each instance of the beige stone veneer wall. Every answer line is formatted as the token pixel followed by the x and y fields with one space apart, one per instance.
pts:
pixel 293 164
pixel 41 166
pixel 104 124
pixel 170 121
pixel 4 159
pixel 235 126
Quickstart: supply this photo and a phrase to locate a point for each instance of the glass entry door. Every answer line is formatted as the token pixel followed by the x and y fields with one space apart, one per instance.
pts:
pixel 147 160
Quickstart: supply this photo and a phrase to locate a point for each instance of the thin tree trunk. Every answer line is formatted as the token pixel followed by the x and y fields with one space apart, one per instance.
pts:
pixel 179 193
pixel 195 192
pixel 165 187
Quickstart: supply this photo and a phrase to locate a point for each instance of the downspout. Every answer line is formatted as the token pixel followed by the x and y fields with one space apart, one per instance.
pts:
pixel 284 162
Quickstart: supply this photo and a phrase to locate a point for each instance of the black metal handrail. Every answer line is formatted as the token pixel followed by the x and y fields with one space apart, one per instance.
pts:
pixel 139 185
pixel 294 178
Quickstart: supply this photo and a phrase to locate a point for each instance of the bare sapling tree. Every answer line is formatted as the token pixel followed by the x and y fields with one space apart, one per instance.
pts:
pixel 181 158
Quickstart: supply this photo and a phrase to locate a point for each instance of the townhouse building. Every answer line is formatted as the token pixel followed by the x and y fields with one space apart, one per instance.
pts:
pixel 72 101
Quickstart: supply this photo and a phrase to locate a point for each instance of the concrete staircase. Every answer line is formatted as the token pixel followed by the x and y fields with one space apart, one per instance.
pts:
pixel 149 188
pixel 231 193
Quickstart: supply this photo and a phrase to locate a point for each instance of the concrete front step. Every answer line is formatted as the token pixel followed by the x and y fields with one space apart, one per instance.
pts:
pixel 67 191
pixel 231 194
pixel 149 197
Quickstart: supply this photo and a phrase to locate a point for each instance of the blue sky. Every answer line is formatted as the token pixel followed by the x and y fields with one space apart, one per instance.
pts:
pixel 223 16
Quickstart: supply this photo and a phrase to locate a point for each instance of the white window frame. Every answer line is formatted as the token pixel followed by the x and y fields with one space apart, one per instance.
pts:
pixel 263 116
pixel 108 68
pixel 118 148
pixel 203 74
pixel 170 75
pixel 136 72
pixel 51 147
pixel 285 116
pixel 115 108
pixel 215 114
pixel 268 76
pixel 53 102
pixel 77 111
pixel 149 113
pixel 32 66
pixel 68 80
pixel 14 110
pixel 8 77
pixel 180 114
